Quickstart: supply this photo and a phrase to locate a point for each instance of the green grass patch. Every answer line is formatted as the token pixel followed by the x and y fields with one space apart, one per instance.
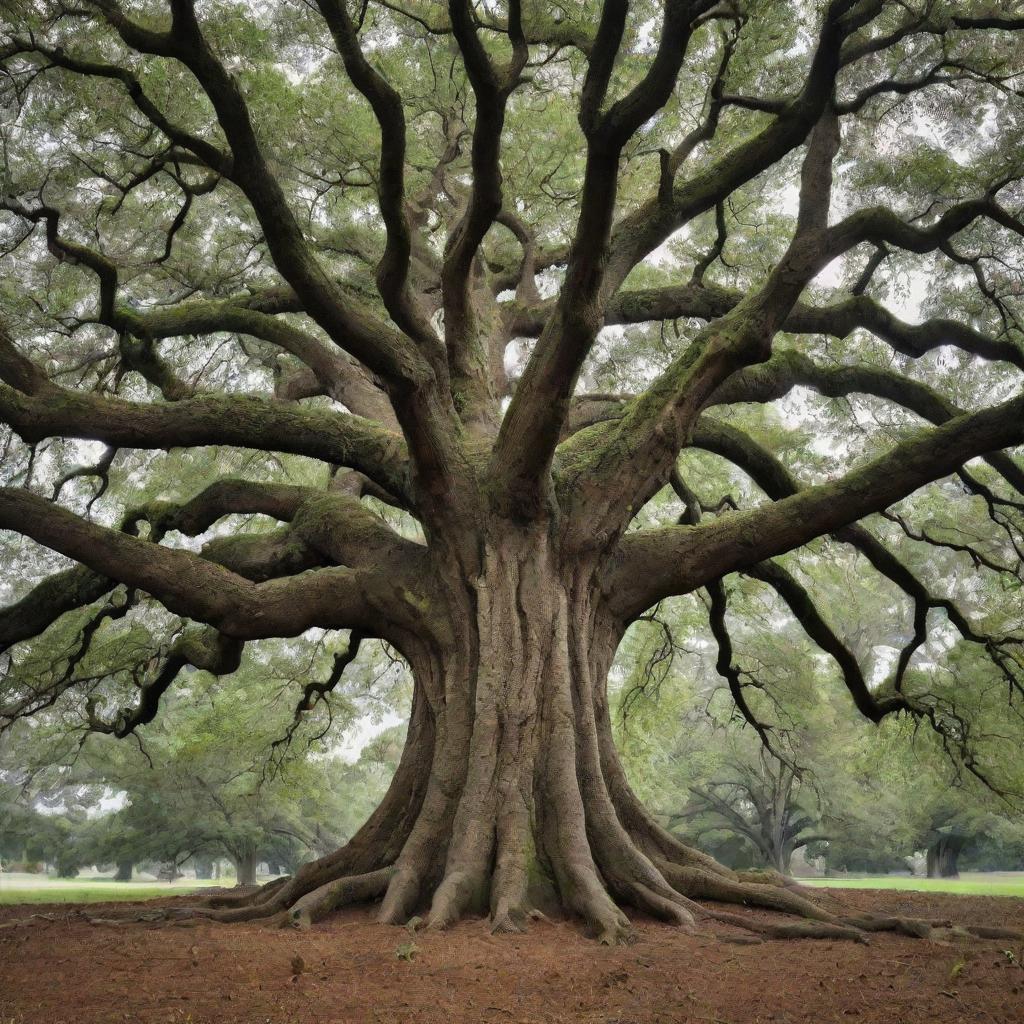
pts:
pixel 978 885
pixel 90 891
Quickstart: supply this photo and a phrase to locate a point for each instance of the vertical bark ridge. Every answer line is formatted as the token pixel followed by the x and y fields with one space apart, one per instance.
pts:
pixel 560 801
pixel 627 869
pixel 498 631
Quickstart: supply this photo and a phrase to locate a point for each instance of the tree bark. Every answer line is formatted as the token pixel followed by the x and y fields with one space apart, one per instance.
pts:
pixel 124 871
pixel 509 797
pixel 782 859
pixel 943 855
pixel 245 867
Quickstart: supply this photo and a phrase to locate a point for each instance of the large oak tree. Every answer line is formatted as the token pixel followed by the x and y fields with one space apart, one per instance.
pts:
pixel 411 242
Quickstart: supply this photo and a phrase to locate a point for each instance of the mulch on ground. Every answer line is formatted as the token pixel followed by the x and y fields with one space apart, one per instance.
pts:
pixel 350 969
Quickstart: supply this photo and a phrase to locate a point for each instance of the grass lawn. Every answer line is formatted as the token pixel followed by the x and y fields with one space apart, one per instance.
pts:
pixel 970 884
pixel 36 889
pixel 23 888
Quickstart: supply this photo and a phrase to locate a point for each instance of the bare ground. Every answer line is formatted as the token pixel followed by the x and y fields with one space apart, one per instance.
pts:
pixel 68 971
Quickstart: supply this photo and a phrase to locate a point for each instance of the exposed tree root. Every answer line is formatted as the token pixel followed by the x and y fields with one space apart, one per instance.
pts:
pixel 788 929
pixel 774 893
pixel 25 922
pixel 769 876
pixel 489 790
pixel 984 931
pixel 912 926
pixel 256 895
pixel 590 896
pixel 228 915
pixel 253 912
pixel 699 884
pixel 334 895
pixel 596 864
pixel 401 896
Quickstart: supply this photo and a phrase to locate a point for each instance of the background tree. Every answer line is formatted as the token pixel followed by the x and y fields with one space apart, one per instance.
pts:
pixel 51 828
pixel 751 796
pixel 761 800
pixel 911 799
pixel 198 785
pixel 862 798
pixel 376 274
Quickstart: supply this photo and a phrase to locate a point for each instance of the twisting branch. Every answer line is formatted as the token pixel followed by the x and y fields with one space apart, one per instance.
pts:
pixel 317 691
pixel 256 557
pixel 873 706
pixel 36 408
pixel 786 369
pixel 492 87
pixel 204 649
pixel 635 457
pixel 979 558
pixel 382 349
pixel 393 269
pixel 641 231
pixel 208 155
pixel 48 601
pixel 228 495
pixel 44 694
pixel 710 302
pixel 772 477
pixel 100 469
pixel 190 585
pixel 736 541
pixel 538 410
pixel 718 605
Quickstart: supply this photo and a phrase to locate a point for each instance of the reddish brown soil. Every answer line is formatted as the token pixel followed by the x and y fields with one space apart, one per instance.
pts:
pixel 71 972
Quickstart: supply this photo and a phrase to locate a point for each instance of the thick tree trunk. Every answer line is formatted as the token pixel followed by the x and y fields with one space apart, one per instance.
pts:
pixel 124 871
pixel 204 868
pixel 781 858
pixel 245 867
pixel 509 797
pixel 169 872
pixel 943 855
